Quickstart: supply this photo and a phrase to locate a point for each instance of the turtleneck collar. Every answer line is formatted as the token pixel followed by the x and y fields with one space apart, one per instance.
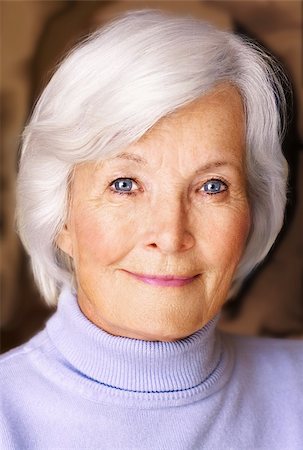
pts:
pixel 179 368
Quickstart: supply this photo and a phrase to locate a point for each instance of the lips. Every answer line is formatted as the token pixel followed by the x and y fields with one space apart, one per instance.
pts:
pixel 163 280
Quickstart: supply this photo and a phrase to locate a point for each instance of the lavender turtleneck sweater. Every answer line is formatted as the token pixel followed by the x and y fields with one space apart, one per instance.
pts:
pixel 75 386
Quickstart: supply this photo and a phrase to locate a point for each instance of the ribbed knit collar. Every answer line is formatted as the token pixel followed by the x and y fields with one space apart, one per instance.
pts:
pixel 180 368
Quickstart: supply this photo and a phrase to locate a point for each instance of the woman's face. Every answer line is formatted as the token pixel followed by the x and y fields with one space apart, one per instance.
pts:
pixel 173 204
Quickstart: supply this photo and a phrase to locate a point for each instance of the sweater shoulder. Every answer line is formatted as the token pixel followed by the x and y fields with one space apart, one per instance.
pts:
pixel 19 356
pixel 277 347
pixel 269 358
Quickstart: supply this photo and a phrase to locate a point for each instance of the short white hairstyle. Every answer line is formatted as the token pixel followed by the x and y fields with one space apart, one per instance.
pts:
pixel 110 90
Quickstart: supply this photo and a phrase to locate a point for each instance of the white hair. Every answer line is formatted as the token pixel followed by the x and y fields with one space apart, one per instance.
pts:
pixel 110 90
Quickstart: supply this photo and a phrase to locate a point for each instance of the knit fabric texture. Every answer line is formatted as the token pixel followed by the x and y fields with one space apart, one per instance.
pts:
pixel 76 386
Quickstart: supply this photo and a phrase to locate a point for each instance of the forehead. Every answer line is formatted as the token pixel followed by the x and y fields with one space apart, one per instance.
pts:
pixel 218 112
pixel 209 129
pixel 213 123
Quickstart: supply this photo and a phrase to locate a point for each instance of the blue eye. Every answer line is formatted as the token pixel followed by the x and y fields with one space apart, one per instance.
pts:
pixel 214 187
pixel 123 186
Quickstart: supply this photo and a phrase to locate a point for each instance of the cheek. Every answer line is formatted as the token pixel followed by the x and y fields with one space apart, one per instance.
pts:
pixel 226 236
pixel 102 236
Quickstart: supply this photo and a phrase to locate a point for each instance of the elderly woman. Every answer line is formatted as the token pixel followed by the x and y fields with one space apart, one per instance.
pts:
pixel 151 183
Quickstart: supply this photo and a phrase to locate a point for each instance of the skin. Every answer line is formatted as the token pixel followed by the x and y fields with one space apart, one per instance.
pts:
pixel 171 225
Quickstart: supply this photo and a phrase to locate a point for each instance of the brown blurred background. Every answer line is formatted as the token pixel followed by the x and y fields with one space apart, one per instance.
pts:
pixel 35 35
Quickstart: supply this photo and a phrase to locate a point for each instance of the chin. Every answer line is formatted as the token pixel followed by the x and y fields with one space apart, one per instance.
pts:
pixel 168 333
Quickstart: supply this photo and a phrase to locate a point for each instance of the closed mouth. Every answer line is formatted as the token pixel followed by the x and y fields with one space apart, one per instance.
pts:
pixel 164 280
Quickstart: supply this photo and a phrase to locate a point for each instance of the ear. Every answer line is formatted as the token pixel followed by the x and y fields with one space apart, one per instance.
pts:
pixel 64 241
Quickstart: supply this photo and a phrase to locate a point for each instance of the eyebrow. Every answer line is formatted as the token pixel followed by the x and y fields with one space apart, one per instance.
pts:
pixel 130 157
pixel 214 164
pixel 139 160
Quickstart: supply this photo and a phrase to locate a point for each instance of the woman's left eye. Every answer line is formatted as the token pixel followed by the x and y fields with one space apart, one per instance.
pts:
pixel 124 186
pixel 214 187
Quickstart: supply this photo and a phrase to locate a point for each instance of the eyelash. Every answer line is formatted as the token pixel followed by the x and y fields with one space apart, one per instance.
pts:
pixel 225 185
pixel 128 193
pixel 124 192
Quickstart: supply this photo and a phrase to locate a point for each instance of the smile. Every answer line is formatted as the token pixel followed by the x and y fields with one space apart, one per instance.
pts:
pixel 166 280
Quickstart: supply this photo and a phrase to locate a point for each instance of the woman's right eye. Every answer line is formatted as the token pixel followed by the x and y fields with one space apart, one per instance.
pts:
pixel 123 186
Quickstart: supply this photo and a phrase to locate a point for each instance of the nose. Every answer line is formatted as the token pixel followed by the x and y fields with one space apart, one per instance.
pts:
pixel 169 229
